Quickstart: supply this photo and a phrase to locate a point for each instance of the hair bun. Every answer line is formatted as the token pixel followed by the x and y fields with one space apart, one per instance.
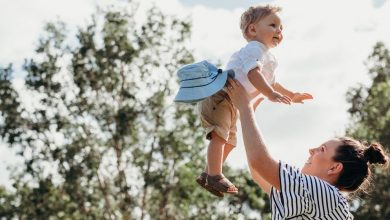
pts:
pixel 375 154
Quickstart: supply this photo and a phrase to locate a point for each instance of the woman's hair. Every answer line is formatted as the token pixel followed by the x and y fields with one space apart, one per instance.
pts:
pixel 356 158
pixel 253 14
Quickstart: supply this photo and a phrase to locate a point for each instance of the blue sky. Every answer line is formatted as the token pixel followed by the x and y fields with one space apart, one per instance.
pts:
pixel 227 4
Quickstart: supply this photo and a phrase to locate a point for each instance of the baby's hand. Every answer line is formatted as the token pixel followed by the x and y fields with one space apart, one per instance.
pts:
pixel 299 97
pixel 277 97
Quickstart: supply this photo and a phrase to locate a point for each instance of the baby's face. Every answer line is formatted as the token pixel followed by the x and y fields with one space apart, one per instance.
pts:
pixel 268 31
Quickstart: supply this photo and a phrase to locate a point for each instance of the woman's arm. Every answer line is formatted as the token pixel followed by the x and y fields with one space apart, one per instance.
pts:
pixel 264 185
pixel 256 151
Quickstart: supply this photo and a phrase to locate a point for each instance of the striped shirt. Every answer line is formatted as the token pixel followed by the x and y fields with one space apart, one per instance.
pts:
pixel 306 197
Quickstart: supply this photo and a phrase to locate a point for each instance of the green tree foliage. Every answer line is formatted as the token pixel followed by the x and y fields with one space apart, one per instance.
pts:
pixel 370 115
pixel 97 130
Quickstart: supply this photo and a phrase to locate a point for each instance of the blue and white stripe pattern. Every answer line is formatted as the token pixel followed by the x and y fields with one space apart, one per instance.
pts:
pixel 306 197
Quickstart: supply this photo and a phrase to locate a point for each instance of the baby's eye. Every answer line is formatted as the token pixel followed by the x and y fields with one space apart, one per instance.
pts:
pixel 272 25
pixel 322 149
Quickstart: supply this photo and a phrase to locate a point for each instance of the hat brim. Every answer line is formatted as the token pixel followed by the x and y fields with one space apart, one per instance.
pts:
pixel 196 94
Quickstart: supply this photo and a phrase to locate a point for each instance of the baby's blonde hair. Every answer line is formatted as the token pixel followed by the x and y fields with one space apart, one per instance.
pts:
pixel 254 14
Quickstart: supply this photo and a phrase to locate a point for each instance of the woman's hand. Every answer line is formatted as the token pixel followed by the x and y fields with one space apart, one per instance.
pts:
pixel 256 101
pixel 240 97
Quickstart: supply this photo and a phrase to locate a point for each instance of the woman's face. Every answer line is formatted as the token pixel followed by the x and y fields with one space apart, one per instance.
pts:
pixel 321 162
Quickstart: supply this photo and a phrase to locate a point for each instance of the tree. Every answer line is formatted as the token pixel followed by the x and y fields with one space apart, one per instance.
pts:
pixel 370 116
pixel 98 133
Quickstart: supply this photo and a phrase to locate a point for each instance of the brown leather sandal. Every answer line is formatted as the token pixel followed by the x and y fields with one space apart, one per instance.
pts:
pixel 221 184
pixel 201 180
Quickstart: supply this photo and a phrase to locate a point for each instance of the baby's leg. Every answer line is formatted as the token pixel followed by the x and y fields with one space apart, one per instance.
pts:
pixel 226 151
pixel 215 155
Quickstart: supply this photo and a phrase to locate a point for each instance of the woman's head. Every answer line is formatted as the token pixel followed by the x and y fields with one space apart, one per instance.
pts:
pixel 344 162
pixel 356 158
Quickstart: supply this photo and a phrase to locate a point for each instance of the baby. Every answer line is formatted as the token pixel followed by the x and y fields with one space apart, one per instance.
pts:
pixel 254 67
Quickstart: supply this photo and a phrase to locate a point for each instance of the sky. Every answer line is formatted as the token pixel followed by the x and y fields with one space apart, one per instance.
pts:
pixel 325 45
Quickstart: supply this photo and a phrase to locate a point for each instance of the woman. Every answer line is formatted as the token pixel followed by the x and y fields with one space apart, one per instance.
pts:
pixel 338 165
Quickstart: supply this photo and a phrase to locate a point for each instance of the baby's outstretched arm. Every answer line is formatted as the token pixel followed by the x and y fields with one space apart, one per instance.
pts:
pixel 279 88
pixel 259 82
pixel 295 97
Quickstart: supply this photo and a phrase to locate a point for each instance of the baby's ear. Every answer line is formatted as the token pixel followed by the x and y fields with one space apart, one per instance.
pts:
pixel 251 29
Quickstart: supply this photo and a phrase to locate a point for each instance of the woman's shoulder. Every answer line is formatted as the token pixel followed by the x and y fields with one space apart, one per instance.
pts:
pixel 323 197
pixel 312 184
pixel 327 199
pixel 290 170
pixel 324 193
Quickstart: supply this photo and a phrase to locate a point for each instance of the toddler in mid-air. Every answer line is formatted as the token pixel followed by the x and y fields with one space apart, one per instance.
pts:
pixel 254 67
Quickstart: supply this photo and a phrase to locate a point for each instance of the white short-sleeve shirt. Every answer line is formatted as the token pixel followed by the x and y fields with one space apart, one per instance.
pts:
pixel 306 197
pixel 254 54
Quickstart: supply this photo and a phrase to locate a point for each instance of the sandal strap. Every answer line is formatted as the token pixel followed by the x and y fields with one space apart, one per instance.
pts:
pixel 215 178
pixel 204 175
pixel 219 182
pixel 201 180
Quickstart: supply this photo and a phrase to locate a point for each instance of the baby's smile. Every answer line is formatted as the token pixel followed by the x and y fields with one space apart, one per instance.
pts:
pixel 276 39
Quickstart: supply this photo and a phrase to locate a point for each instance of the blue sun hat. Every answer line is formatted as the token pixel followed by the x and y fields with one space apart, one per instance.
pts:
pixel 199 81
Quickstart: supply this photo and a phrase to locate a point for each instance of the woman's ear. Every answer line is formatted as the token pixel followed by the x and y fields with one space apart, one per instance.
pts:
pixel 336 168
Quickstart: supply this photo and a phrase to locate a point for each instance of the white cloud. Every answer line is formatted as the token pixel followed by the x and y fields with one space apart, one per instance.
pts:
pixel 22 21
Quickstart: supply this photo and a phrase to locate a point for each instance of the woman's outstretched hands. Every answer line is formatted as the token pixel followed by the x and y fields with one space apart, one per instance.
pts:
pixel 240 97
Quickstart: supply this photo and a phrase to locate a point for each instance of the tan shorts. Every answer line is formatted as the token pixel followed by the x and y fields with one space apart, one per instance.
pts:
pixel 218 114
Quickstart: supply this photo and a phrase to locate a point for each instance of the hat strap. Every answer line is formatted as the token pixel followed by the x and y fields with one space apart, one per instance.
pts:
pixel 219 72
pixel 213 79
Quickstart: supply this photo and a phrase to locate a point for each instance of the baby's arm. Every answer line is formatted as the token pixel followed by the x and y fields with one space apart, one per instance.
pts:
pixel 259 82
pixel 294 96
pixel 279 88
